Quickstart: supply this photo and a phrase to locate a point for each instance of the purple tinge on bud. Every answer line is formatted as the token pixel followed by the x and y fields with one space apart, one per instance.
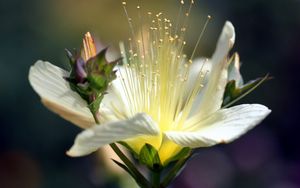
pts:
pixel 80 70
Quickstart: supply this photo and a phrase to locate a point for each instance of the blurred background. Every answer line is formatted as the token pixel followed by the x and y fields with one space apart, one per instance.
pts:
pixel 33 140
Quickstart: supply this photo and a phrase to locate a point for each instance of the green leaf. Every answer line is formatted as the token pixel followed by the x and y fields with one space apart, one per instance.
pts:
pixel 232 93
pixel 139 178
pixel 150 157
pixel 182 154
pixel 124 167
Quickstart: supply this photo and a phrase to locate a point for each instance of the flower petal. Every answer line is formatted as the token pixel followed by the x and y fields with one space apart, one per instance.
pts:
pixel 210 97
pixel 48 81
pixel 234 70
pixel 223 126
pixel 115 102
pixel 92 139
pixel 200 65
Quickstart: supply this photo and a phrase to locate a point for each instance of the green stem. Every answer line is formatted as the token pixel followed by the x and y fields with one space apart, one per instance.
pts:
pixel 155 179
pixel 173 173
pixel 95 118
pixel 127 162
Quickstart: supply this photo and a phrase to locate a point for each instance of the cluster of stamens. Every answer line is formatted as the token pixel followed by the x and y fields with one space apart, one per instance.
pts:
pixel 156 71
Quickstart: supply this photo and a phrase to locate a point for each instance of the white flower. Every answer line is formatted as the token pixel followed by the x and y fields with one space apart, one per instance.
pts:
pixel 158 97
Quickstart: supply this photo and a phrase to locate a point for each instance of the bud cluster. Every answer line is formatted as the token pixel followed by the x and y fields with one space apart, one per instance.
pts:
pixel 91 73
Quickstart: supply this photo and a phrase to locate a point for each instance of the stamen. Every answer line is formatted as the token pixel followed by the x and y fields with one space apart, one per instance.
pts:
pixel 141 31
pixel 129 20
pixel 201 35
pixel 155 78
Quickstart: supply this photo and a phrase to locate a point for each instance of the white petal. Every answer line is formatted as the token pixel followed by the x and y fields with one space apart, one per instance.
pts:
pixel 234 71
pixel 48 81
pixel 211 96
pixel 223 126
pixel 114 105
pixel 93 138
pixel 198 66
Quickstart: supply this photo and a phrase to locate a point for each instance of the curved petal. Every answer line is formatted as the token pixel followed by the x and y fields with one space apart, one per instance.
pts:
pixel 114 105
pixel 48 81
pixel 223 126
pixel 92 139
pixel 210 97
pixel 200 65
pixel 234 70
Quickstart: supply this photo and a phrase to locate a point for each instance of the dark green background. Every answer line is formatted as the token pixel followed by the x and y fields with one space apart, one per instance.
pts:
pixel 33 140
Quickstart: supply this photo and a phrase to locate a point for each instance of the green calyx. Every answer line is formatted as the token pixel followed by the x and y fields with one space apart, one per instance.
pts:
pixel 91 78
pixel 159 175
pixel 233 92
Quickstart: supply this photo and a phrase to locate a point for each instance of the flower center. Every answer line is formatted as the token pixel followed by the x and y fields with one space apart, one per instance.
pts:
pixel 155 75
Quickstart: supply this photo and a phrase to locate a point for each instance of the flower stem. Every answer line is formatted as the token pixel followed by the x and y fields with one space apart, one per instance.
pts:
pixel 140 179
pixel 155 179
pixel 173 172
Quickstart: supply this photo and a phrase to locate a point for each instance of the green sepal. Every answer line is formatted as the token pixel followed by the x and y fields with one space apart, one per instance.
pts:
pixel 233 93
pixel 135 154
pixel 97 82
pixel 174 172
pixel 80 89
pixel 95 104
pixel 149 156
pixel 182 154
pixel 140 181
pixel 124 167
pixel 71 57
pixel 95 65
